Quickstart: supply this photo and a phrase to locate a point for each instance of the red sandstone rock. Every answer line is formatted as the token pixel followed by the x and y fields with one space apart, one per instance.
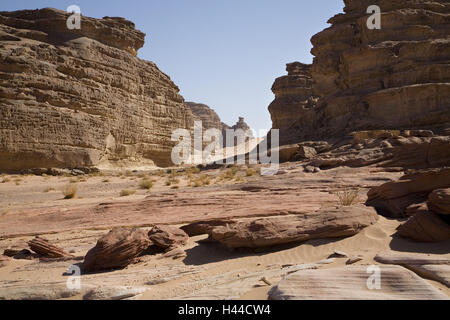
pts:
pixel 43 247
pixel 439 201
pixel 167 237
pixel 425 227
pixel 326 223
pixel 117 249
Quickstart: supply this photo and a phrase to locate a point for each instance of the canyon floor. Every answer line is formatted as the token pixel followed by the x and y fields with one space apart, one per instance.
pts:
pixel 34 205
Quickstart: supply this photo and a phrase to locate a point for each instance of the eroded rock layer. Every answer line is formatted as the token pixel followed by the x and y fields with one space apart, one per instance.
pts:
pixel 293 106
pixel 75 98
pixel 397 77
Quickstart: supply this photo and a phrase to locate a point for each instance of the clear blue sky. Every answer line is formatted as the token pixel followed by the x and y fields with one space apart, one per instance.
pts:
pixel 224 53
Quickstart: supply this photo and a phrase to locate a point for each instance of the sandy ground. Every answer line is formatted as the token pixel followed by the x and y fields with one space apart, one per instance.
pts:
pixel 209 271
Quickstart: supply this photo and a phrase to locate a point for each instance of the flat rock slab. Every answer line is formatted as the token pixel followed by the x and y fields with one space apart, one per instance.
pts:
pixel 431 267
pixel 350 283
pixel 326 223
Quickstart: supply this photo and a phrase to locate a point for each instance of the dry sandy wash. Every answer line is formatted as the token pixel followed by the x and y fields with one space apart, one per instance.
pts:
pixel 208 270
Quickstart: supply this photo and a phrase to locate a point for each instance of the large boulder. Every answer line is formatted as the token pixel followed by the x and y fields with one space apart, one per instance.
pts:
pixel 326 223
pixel 353 283
pixel 439 201
pixel 391 199
pixel 75 98
pixel 167 237
pixel 117 249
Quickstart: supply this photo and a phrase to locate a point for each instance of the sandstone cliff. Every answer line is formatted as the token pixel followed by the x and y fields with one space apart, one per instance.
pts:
pixel 293 106
pixel 208 116
pixel 74 98
pixel 397 77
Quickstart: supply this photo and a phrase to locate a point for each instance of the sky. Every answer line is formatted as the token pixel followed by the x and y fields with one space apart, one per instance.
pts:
pixel 223 53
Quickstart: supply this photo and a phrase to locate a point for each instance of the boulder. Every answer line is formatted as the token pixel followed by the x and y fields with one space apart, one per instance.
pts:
pixel 439 201
pixel 353 283
pixel 117 249
pixel 392 198
pixel 167 237
pixel 43 248
pixel 326 223
pixel 305 152
pixel 204 227
pixel 425 227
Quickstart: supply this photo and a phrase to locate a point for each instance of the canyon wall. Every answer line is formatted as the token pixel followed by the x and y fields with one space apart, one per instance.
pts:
pixel 80 98
pixel 397 77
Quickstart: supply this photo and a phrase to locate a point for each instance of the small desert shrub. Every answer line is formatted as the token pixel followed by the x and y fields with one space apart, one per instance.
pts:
pixel 126 193
pixel 146 184
pixel 175 187
pixel 49 189
pixel 128 173
pixel 347 197
pixel 250 172
pixel 5 180
pixel 106 181
pixel 69 191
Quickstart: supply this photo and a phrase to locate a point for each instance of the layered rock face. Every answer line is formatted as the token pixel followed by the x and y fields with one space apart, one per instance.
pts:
pixel 80 98
pixel 208 117
pixel 292 109
pixel 397 77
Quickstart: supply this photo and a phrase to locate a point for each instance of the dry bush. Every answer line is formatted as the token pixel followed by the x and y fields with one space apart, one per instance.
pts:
pixel 5 180
pixel 347 197
pixel 146 184
pixel 250 172
pixel 126 192
pixel 70 190
pixel 106 181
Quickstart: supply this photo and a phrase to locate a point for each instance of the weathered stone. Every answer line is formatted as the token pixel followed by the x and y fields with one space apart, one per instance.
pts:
pixel 439 201
pixel 425 227
pixel 392 198
pixel 394 78
pixel 81 98
pixel 117 249
pixel 430 267
pixel 326 223
pixel 305 152
pixel 167 237
pixel 114 293
pixel 351 283
pixel 43 248
pixel 204 227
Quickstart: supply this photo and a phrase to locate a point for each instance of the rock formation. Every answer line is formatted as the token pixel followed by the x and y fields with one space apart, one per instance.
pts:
pixel 167 237
pixel 326 223
pixel 117 249
pixel 397 77
pixel 293 106
pixel 407 198
pixel 350 283
pixel 45 249
pixel 80 98
pixel 209 118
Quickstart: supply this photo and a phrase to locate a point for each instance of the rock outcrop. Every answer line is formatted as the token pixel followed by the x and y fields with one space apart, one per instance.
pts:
pixel 293 107
pixel 397 77
pixel 326 223
pixel 117 249
pixel 45 249
pixel 208 117
pixel 352 283
pixel 420 197
pixel 167 237
pixel 81 98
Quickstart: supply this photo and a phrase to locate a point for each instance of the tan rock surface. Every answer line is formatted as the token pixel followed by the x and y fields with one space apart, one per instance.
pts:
pixel 350 283
pixel 322 224
pixel 74 98
pixel 167 237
